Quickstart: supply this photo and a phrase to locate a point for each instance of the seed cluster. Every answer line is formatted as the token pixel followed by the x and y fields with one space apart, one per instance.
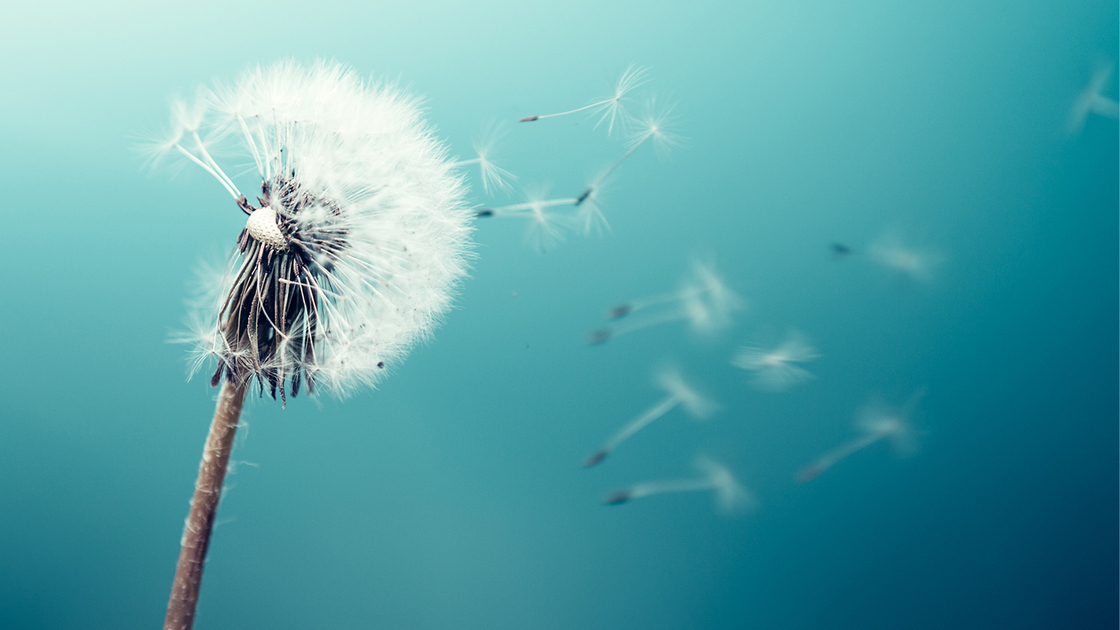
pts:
pixel 271 318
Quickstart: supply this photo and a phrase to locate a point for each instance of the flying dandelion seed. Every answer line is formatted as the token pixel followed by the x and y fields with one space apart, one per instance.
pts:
pixel 609 110
pixel 548 215
pixel 876 422
pixel 545 218
pixel 348 258
pixel 730 495
pixel 704 301
pixel 910 264
pixel 548 218
pixel 654 126
pixel 493 176
pixel 679 394
pixel 1091 101
pixel 773 369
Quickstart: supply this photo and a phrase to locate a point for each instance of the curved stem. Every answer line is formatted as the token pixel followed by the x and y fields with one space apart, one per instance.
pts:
pixel 204 507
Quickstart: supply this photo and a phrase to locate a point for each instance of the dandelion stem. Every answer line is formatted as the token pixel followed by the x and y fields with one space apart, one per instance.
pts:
pixel 204 507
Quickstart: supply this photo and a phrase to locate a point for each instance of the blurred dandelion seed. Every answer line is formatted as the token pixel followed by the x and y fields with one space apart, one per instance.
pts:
pixel 773 369
pixel 1092 101
pixel 679 394
pixel 909 263
pixel 730 495
pixel 704 301
pixel 349 257
pixel 876 422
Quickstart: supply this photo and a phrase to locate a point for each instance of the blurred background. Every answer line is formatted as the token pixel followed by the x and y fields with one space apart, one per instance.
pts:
pixel 453 497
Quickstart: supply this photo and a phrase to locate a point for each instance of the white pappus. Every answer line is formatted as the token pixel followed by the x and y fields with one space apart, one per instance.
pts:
pixel 358 238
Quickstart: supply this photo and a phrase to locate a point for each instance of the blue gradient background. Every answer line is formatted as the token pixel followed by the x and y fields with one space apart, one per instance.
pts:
pixel 453 497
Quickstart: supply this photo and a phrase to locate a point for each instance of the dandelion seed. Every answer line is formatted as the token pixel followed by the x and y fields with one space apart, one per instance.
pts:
pixel 679 394
pixel 1091 101
pixel 909 263
pixel 493 176
pixel 610 109
pixel 876 422
pixel 545 223
pixel 548 215
pixel 704 301
pixel 773 369
pixel 589 213
pixel 730 495
pixel 654 126
pixel 348 258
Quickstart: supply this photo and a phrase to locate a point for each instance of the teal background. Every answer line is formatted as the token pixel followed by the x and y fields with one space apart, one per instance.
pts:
pixel 452 497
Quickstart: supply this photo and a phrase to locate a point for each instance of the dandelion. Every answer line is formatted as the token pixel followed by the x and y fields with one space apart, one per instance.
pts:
pixel 909 263
pixel 876 422
pixel 704 301
pixel 773 369
pixel 1091 101
pixel 656 127
pixel 548 216
pixel 585 210
pixel 609 109
pixel 679 394
pixel 348 258
pixel 493 176
pixel 546 223
pixel 730 495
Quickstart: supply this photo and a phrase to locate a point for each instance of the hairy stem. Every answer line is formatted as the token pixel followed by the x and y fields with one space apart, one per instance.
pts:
pixel 204 507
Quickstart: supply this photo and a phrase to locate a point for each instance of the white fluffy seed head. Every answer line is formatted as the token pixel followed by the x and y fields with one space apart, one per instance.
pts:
pixel 375 178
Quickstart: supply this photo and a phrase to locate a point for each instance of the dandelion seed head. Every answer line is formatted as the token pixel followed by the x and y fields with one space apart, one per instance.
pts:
pixel 360 236
pixel 263 227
